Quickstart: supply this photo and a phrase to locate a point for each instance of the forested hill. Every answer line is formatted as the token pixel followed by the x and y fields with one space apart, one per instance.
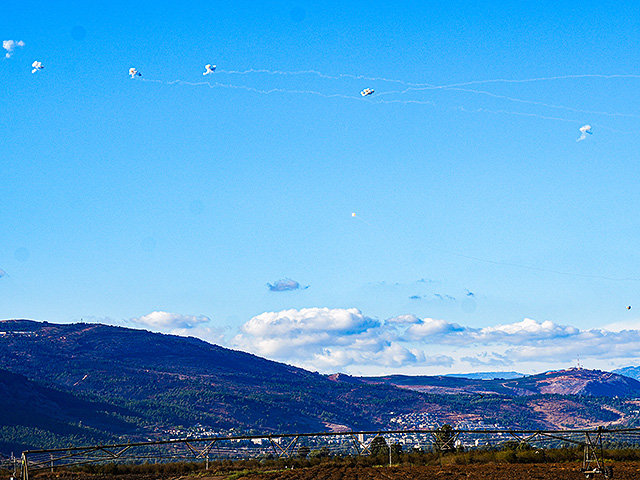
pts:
pixel 163 381
pixel 87 383
pixel 29 410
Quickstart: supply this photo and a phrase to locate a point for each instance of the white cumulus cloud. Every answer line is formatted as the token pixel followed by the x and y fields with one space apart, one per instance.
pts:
pixel 526 331
pixel 529 341
pixel 332 340
pixel 346 340
pixel 529 329
pixel 328 340
pixel 429 327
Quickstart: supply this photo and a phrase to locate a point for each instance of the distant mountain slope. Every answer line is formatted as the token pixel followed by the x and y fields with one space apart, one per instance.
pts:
pixel 83 383
pixel 579 381
pixel 439 384
pixel 573 381
pixel 28 409
pixel 487 375
pixel 169 380
pixel 632 372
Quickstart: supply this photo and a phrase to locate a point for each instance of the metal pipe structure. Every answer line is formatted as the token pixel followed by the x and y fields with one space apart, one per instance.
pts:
pixel 287 445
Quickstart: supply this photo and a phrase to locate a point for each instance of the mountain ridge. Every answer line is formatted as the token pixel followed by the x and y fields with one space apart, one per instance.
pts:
pixel 571 381
pixel 137 385
pixel 178 380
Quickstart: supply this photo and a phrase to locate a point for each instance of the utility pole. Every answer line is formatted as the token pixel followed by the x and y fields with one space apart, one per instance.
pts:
pixel 15 467
pixel 25 467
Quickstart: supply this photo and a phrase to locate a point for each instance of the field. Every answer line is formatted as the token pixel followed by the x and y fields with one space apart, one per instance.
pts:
pixel 538 471
pixel 622 471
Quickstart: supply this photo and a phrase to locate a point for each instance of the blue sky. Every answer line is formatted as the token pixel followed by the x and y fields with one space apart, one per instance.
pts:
pixel 221 206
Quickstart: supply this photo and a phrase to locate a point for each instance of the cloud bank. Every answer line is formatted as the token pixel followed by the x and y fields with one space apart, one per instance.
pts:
pixel 331 340
pixel 328 339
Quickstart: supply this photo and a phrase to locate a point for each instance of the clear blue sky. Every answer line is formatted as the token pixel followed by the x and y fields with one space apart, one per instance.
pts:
pixel 187 194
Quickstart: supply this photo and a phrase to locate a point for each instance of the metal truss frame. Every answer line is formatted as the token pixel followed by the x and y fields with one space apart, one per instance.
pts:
pixel 285 446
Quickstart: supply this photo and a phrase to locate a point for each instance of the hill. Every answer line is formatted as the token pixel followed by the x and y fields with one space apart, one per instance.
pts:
pixel 164 381
pixel 633 372
pixel 28 409
pixel 573 381
pixel 88 383
pixel 487 375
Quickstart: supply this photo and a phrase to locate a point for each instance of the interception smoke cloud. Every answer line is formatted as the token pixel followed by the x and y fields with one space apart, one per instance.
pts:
pixel 584 129
pixel 10 45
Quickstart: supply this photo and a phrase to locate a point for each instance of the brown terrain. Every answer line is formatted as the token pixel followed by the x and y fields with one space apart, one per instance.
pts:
pixel 540 471
pixel 567 413
pixel 622 471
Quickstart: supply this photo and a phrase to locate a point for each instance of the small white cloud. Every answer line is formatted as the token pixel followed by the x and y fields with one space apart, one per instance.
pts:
pixel 164 320
pixel 428 327
pixel 286 285
pixel 528 329
pixel 403 320
pixel 178 324
pixel 10 46
pixel 485 359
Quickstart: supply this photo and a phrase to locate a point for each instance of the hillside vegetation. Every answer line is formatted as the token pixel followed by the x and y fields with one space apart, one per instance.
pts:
pixel 89 383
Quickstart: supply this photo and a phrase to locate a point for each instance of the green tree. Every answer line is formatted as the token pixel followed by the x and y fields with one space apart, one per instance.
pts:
pixel 445 439
pixel 378 447
pixel 303 451
pixel 321 453
pixel 396 449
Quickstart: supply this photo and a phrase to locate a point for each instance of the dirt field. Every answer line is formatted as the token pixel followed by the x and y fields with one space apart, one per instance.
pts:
pixel 541 471
pixel 622 471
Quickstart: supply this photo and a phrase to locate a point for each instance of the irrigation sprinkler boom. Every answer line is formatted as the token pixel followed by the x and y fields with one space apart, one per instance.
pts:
pixel 340 443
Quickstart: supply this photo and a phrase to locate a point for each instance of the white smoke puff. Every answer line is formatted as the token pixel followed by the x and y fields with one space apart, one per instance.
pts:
pixel 10 45
pixel 36 66
pixel 584 129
